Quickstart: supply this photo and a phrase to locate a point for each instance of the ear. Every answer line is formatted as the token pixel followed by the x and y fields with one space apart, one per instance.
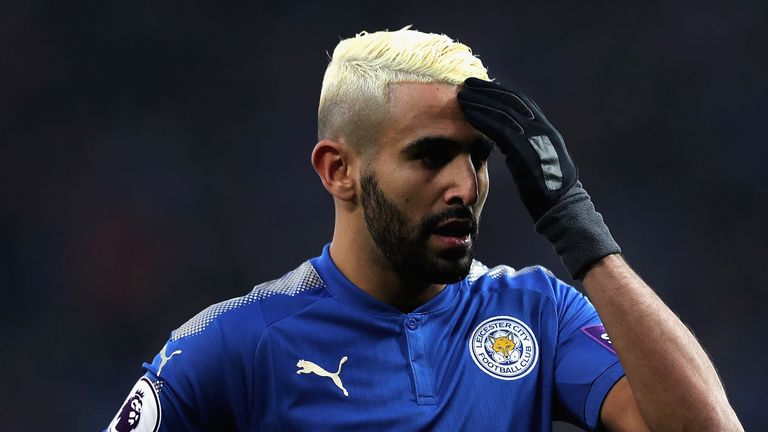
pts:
pixel 334 162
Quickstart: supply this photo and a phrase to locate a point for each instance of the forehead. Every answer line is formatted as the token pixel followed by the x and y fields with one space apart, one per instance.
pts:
pixel 417 110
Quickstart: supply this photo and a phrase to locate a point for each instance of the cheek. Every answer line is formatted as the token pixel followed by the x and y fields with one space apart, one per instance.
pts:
pixel 407 189
pixel 408 202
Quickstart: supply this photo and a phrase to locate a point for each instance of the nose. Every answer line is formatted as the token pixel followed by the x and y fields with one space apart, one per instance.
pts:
pixel 462 182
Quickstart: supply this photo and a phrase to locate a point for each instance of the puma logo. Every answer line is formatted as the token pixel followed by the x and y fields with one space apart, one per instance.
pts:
pixel 306 367
pixel 164 358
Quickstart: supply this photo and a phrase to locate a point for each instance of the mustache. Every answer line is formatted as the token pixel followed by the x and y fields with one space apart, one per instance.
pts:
pixel 434 220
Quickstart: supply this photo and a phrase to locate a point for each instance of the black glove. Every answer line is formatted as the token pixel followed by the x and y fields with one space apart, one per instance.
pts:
pixel 546 177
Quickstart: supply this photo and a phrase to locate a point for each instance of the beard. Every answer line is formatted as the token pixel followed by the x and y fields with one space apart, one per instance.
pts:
pixel 405 246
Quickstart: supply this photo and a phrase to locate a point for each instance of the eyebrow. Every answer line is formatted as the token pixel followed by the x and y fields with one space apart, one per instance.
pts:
pixel 430 142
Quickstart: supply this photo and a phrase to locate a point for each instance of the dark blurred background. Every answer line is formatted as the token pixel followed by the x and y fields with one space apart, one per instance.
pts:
pixel 154 159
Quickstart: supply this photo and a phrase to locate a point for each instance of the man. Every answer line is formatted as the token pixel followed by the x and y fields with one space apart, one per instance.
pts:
pixel 395 326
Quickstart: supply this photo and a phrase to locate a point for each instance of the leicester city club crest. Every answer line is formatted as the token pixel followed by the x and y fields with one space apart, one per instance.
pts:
pixel 504 347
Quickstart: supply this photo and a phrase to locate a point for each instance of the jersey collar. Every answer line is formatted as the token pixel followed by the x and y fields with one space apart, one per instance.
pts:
pixel 343 289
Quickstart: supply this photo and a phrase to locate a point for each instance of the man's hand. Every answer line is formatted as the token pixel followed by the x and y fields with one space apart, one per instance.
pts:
pixel 673 384
pixel 535 150
pixel 546 177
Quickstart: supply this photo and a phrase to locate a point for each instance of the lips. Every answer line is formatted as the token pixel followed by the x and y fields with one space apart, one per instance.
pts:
pixel 455 228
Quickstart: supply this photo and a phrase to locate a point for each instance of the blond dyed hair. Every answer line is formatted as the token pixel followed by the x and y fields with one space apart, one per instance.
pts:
pixel 356 87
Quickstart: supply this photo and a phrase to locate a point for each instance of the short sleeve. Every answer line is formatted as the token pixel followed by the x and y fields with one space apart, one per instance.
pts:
pixel 586 366
pixel 182 389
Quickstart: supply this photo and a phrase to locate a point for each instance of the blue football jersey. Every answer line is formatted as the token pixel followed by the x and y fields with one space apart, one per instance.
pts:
pixel 500 350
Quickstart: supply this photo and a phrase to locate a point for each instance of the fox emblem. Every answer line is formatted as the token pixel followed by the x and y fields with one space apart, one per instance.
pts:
pixel 503 345
pixel 504 348
pixel 306 367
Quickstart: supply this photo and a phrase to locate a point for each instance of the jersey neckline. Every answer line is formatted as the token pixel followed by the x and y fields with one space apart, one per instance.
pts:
pixel 343 289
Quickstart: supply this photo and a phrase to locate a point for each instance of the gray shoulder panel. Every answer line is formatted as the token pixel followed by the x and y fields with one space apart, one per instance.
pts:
pixel 500 271
pixel 478 269
pixel 301 279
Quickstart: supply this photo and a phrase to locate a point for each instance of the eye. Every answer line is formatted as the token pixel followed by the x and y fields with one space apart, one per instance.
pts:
pixel 435 158
pixel 480 155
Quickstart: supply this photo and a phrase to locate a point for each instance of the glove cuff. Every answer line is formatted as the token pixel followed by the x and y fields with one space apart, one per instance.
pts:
pixel 577 231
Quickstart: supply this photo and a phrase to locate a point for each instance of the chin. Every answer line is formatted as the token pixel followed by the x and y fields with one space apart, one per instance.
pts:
pixel 446 271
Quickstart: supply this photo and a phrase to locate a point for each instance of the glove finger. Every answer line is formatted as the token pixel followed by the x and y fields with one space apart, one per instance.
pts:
pixel 495 124
pixel 481 83
pixel 501 120
pixel 477 98
pixel 495 91
pixel 537 112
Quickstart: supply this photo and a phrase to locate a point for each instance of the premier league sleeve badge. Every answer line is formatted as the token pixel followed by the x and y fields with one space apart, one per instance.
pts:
pixel 140 411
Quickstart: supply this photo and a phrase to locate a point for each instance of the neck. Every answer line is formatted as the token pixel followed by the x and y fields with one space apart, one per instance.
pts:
pixel 360 260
